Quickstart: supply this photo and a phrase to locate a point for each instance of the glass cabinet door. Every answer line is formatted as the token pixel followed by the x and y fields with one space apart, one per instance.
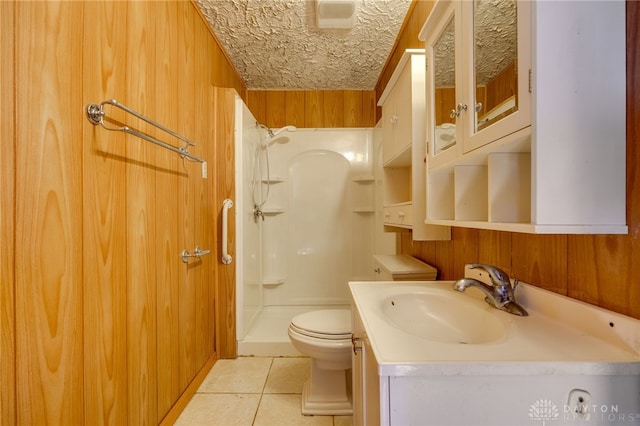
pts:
pixel 495 35
pixel 498 61
pixel 444 70
pixel 442 91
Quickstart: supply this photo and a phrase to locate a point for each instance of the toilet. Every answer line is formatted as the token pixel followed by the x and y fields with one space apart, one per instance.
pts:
pixel 325 336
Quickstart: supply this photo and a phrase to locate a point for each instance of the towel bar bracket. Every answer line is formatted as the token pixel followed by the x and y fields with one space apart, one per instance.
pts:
pixel 96 114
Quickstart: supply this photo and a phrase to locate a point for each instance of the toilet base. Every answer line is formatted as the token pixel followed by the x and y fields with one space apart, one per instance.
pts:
pixel 327 393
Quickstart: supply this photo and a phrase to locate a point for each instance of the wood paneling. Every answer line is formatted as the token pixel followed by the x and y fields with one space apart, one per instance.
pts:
pixel 313 108
pixel 48 227
pixel 102 323
pixel 7 216
pixel 103 240
pixel 276 112
pixel 333 108
pixel 294 108
pixel 205 281
pixel 597 269
pixel 141 207
pixel 169 207
pixel 224 125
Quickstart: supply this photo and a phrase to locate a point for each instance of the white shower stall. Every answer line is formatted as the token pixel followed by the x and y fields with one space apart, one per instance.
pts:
pixel 315 228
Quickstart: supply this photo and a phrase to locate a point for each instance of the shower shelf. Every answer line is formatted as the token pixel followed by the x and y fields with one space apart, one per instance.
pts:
pixel 273 282
pixel 271 211
pixel 274 179
pixel 364 179
pixel 363 210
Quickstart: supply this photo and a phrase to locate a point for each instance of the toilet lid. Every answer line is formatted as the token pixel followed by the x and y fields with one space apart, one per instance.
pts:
pixel 326 323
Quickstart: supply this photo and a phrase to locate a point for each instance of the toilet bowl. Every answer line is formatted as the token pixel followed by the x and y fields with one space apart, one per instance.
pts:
pixel 325 336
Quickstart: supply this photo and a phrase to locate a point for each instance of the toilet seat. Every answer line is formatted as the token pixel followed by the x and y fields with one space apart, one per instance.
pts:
pixel 327 324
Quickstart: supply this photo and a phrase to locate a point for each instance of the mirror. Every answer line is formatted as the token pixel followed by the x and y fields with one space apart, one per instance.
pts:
pixel 496 60
pixel 444 70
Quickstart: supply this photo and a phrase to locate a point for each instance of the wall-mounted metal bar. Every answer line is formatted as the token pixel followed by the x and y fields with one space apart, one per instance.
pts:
pixel 226 205
pixel 96 114
pixel 197 253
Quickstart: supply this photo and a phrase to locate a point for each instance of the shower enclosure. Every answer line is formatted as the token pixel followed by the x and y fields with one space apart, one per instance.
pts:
pixel 306 223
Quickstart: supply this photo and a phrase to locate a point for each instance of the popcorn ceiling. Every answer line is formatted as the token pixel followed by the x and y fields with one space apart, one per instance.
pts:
pixel 275 44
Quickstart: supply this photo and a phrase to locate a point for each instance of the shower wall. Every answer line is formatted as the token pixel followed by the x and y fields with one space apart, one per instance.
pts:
pixel 317 231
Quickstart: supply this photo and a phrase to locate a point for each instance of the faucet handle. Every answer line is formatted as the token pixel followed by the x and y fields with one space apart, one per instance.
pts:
pixel 498 276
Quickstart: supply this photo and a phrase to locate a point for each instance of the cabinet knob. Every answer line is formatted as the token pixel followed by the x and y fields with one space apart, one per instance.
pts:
pixel 393 120
pixel 376 270
pixel 458 110
pixel 400 215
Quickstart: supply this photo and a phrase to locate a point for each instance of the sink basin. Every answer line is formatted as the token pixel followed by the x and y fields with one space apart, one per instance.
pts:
pixel 443 316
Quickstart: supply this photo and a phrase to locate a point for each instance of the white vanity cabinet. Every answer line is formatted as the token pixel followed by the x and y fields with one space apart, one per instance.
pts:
pixel 365 380
pixel 403 150
pixel 525 116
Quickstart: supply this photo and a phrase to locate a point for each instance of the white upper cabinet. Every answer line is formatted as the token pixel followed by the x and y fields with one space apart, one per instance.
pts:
pixel 525 116
pixel 403 150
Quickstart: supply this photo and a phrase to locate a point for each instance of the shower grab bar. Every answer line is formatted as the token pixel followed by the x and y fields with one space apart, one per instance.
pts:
pixel 226 205
pixel 197 253
pixel 96 114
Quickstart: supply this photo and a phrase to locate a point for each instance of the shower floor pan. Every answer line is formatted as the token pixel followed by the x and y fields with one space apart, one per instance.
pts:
pixel 267 336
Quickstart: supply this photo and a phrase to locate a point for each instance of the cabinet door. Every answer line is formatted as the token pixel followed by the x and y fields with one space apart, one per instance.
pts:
pixel 496 52
pixel 365 379
pixel 442 83
pixel 397 123
pixel 371 385
pixel 389 119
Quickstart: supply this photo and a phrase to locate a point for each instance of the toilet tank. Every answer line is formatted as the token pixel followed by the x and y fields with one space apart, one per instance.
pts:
pixel 402 267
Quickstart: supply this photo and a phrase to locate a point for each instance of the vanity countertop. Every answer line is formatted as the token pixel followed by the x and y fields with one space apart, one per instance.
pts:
pixel 561 336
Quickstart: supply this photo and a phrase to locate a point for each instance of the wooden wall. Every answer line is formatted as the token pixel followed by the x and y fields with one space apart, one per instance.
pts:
pixel 598 269
pixel 102 323
pixel 313 108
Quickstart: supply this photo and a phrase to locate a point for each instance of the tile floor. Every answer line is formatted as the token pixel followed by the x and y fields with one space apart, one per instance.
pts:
pixel 254 391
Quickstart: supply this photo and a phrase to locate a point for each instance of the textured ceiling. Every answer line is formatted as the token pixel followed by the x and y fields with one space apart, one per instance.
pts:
pixel 276 44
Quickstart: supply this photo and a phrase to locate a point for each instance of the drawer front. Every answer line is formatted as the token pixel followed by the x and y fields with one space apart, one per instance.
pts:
pixel 399 215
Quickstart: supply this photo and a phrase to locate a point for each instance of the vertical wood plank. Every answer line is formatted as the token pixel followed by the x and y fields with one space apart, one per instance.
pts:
pixel 224 153
pixel 48 261
pixel 295 108
pixel 213 327
pixel 168 239
pixel 369 109
pixel 141 207
pixel 596 262
pixel 7 216
pixel 276 109
pixel 333 108
pixel 465 249
pixel 353 108
pixel 257 103
pixel 205 226
pixel 104 242
pixel 541 260
pixel 313 109
pixel 494 248
pixel 186 190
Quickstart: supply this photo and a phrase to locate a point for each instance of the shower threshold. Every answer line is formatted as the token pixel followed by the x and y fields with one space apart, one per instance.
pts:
pixel 268 336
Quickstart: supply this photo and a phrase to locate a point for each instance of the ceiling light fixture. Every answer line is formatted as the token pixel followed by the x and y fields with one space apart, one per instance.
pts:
pixel 336 13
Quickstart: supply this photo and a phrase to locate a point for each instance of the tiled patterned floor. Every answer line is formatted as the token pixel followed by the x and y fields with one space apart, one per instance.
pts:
pixel 254 391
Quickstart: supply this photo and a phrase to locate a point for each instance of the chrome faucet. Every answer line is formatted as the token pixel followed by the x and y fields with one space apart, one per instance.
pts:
pixel 500 294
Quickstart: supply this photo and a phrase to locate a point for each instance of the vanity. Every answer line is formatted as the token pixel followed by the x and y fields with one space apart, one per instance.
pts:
pixel 426 354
